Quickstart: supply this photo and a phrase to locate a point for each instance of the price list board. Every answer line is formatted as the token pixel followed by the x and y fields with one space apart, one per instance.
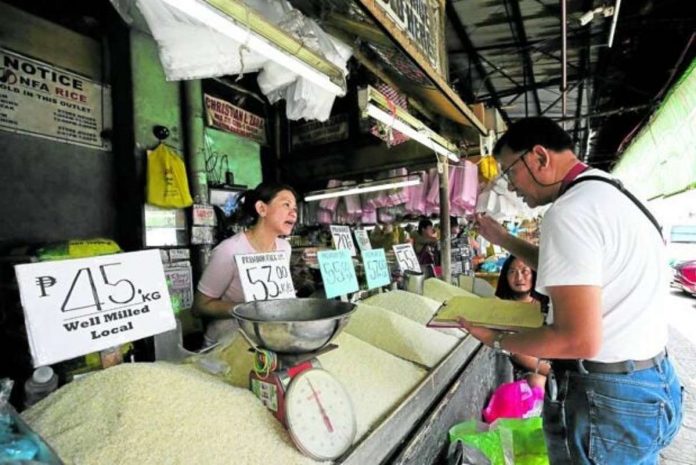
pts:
pixel 337 272
pixel 265 276
pixel 406 257
pixel 343 239
pixel 376 268
pixel 75 307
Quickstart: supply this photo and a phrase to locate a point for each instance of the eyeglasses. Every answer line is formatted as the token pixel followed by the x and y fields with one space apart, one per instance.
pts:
pixel 505 174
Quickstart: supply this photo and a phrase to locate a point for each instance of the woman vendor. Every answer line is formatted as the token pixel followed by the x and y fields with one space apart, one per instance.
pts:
pixel 269 211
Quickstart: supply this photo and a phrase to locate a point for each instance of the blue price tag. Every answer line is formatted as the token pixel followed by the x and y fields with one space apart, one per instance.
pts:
pixel 337 272
pixel 376 268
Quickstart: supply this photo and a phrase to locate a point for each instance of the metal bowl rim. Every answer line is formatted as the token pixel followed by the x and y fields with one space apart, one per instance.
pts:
pixel 329 318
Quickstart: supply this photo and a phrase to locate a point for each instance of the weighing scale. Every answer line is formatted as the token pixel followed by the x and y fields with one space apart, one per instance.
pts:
pixel 308 400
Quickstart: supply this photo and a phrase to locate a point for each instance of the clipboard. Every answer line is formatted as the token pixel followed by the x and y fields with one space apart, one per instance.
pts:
pixel 491 313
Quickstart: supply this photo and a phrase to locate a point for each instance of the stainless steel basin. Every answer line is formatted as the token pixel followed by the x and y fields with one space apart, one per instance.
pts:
pixel 293 326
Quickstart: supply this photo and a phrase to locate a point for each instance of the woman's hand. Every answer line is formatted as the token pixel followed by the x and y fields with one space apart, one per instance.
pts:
pixel 490 229
pixel 485 335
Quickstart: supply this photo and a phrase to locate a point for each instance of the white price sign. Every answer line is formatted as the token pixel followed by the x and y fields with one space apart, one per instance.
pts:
pixel 343 239
pixel 265 276
pixel 75 307
pixel 406 257
pixel 363 240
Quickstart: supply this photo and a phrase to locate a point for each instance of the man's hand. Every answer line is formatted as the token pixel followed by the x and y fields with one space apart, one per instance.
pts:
pixel 490 229
pixel 485 335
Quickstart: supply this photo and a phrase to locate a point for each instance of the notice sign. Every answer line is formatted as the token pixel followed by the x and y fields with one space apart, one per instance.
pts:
pixel 343 239
pixel 75 307
pixel 223 115
pixel 406 257
pixel 337 272
pixel 265 276
pixel 43 100
pixel 363 240
pixel 317 133
pixel 376 268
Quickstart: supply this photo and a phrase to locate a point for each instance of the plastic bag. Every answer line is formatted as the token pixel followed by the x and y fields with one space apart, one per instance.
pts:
pixel 167 184
pixel 514 400
pixel 505 442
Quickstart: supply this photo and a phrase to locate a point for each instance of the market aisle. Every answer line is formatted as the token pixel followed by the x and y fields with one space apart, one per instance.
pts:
pixel 682 350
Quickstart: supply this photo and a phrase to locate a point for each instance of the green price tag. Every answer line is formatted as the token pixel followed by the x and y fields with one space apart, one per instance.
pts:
pixel 376 268
pixel 337 272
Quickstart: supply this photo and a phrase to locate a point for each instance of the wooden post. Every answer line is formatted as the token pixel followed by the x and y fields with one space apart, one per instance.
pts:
pixel 445 234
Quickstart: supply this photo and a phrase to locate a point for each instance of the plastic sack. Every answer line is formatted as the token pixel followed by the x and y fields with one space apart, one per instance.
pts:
pixel 167 184
pixel 505 442
pixel 514 400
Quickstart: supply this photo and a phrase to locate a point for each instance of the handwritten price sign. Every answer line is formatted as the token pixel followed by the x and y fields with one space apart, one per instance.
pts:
pixel 406 257
pixel 337 272
pixel 376 268
pixel 75 307
pixel 265 276
pixel 343 239
pixel 363 240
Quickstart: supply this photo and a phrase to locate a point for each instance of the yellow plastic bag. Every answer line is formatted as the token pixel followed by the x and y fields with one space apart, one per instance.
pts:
pixel 488 168
pixel 167 184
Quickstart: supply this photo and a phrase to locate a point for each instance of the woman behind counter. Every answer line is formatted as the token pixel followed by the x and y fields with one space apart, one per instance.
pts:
pixel 517 282
pixel 269 211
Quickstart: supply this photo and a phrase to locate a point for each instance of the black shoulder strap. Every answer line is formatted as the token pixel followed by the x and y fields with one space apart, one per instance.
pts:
pixel 616 183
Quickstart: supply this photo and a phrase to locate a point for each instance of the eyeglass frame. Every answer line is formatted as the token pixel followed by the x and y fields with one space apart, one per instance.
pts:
pixel 505 174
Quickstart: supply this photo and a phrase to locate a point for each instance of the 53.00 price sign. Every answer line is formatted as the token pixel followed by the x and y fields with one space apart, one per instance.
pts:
pixel 337 272
pixel 265 276
pixel 75 307
pixel 406 257
pixel 343 239
pixel 376 268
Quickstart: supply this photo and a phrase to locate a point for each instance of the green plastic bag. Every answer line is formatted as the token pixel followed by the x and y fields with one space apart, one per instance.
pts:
pixel 508 441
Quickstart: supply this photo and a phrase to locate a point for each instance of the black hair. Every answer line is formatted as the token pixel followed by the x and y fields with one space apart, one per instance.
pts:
pixel 505 292
pixel 524 134
pixel 454 221
pixel 424 223
pixel 246 213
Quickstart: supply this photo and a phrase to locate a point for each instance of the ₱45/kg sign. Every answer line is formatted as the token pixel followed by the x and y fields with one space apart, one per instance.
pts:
pixel 74 307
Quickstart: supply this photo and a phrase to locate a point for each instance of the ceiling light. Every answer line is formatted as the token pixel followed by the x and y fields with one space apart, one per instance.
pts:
pixel 420 136
pixel 225 25
pixel 362 188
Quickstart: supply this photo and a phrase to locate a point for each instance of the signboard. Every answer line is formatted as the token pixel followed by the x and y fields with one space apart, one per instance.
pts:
pixel 203 215
pixel 75 307
pixel 406 257
pixel 180 284
pixel 419 20
pixel 343 239
pixel 223 115
pixel 363 240
pixel 265 276
pixel 317 133
pixel 43 100
pixel 376 268
pixel 337 272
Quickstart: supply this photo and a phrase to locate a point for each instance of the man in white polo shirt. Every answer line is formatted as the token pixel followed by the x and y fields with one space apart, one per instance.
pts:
pixel 612 396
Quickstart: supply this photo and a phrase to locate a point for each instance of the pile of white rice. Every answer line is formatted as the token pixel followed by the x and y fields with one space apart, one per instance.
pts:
pixel 400 336
pixel 159 413
pixel 441 291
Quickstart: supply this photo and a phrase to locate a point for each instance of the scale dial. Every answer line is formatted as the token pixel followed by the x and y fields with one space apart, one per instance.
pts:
pixel 319 415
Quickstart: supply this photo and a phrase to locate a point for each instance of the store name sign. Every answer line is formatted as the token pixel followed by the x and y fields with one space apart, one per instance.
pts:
pixel 317 133
pixel 223 115
pixel 419 19
pixel 75 307
pixel 42 100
